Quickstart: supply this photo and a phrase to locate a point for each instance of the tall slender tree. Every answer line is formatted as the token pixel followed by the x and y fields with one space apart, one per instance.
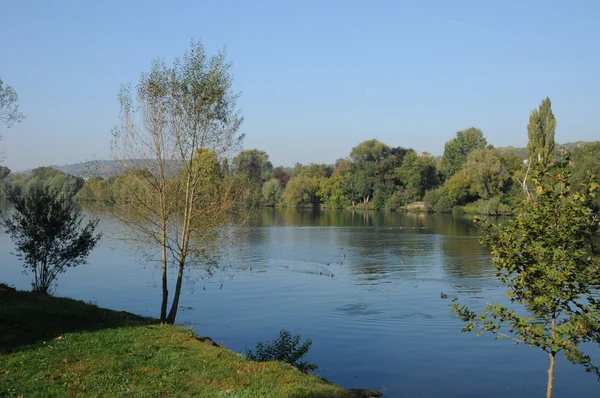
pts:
pixel 540 131
pixel 175 130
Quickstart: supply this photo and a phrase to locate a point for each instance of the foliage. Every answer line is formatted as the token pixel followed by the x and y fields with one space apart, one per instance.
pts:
pixel 48 235
pixel 486 172
pixel 96 352
pixel 9 107
pixel 285 348
pixel 93 189
pixel 282 175
pixel 252 168
pixel 271 192
pixel 363 161
pixel 302 191
pixel 586 163
pixel 548 259
pixel 397 200
pixel 457 149
pixel 487 177
pixel 437 201
pixel 332 193
pixel 540 131
pixel 418 173
pixel 458 189
pixel 369 175
pixel 313 170
pixel 42 178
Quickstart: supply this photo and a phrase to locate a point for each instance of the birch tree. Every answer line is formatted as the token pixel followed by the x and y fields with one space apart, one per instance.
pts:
pixel 176 126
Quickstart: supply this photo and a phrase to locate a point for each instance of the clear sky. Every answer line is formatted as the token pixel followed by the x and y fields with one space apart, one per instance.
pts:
pixel 317 77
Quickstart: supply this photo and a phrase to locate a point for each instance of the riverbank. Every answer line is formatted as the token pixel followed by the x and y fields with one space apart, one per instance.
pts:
pixel 52 346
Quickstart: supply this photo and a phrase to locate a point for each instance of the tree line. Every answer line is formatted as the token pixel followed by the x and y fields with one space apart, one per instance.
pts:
pixel 470 177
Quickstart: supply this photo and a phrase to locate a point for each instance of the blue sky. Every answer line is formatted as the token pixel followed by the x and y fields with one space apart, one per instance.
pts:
pixel 317 77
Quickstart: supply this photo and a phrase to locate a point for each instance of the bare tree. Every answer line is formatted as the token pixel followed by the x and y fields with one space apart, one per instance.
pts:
pixel 175 129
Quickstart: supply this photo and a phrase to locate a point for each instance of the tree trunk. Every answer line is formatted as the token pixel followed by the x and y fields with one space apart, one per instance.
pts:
pixel 165 290
pixel 175 305
pixel 552 354
pixel 550 376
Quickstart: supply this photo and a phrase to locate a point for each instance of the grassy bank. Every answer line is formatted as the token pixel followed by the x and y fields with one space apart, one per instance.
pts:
pixel 57 347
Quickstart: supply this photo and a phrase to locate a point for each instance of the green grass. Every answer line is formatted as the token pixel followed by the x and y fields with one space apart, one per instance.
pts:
pixel 57 347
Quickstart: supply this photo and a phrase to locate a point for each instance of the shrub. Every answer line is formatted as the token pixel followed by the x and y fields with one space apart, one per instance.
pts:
pixel 47 234
pixel 285 348
pixel 396 201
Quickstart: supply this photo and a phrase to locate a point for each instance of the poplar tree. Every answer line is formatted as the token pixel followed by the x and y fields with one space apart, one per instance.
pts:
pixel 540 130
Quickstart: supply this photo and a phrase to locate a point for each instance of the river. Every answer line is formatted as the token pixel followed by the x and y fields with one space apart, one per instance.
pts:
pixel 379 322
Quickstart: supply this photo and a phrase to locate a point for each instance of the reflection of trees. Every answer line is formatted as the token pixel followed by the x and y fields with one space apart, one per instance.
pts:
pixel 378 245
pixel 464 259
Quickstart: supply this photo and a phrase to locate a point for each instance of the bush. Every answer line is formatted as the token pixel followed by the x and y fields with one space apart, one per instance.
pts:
pixel 285 348
pixel 48 236
pixel 437 201
pixel 493 207
pixel 396 201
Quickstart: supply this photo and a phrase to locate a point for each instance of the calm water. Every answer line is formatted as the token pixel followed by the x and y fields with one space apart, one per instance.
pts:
pixel 376 323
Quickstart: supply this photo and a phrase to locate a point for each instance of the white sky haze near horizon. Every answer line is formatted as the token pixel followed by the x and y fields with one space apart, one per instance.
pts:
pixel 316 78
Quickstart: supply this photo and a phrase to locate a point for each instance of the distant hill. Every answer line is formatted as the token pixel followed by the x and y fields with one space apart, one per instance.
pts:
pixel 95 168
pixel 103 168
pixel 569 146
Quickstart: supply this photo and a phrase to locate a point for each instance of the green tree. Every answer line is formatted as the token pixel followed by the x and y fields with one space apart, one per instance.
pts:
pixel 540 131
pixel 372 172
pixel 48 235
pixel 177 123
pixel 418 173
pixel 313 170
pixel 253 164
pixel 302 191
pixel 487 173
pixel 549 261
pixel 253 168
pixel 93 188
pixel 457 149
pixel 332 194
pixel 271 192
pixel 363 160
